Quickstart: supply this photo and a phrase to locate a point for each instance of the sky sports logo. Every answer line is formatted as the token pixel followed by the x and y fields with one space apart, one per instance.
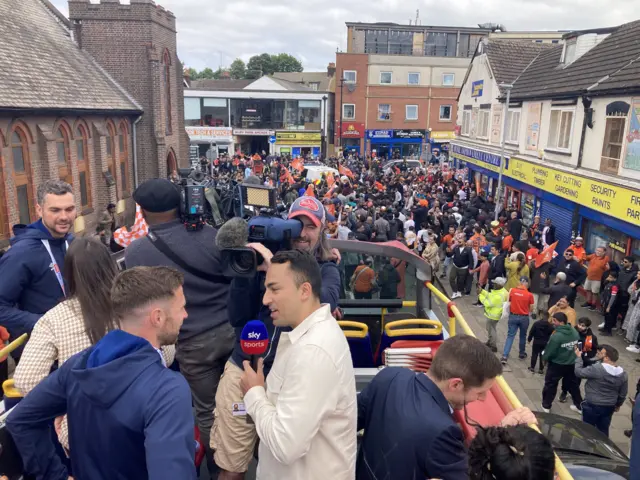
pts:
pixel 254 347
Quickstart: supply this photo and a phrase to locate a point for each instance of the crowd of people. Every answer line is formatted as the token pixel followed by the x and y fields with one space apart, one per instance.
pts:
pixel 140 351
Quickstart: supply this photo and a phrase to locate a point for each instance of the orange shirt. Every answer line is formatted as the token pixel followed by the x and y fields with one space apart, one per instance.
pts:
pixel 579 253
pixel 448 239
pixel 507 242
pixel 597 266
pixel 532 254
pixel 364 280
pixel 478 241
pixel 521 299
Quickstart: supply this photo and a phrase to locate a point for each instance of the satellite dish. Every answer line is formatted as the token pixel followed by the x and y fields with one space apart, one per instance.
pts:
pixel 351 87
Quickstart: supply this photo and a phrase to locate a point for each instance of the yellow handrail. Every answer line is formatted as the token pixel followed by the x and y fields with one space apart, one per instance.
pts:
pixel 13 345
pixel 454 314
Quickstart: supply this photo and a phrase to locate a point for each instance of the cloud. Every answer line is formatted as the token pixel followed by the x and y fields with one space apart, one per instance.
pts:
pixel 211 32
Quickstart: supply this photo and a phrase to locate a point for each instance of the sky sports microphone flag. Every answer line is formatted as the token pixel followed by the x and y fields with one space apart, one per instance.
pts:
pixel 254 339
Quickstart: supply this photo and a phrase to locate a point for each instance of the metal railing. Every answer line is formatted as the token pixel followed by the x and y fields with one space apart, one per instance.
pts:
pixel 456 317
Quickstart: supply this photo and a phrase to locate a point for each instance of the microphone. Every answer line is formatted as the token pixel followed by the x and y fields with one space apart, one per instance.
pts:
pixel 233 234
pixel 254 341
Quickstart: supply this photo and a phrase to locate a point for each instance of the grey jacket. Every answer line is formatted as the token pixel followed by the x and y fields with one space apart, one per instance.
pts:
pixel 606 385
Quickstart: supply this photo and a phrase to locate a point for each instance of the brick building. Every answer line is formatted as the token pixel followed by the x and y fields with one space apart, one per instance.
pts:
pixel 61 116
pixel 399 86
pixel 136 44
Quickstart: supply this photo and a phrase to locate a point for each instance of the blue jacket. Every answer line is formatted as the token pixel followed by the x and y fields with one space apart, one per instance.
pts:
pixel 28 285
pixel 245 304
pixel 129 416
pixel 409 431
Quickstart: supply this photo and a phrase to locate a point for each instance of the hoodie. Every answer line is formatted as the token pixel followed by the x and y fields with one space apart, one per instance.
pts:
pixel 606 385
pixel 561 346
pixel 129 416
pixel 28 284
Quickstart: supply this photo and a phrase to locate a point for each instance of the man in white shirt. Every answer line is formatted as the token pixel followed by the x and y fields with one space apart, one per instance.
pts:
pixel 409 223
pixel 306 418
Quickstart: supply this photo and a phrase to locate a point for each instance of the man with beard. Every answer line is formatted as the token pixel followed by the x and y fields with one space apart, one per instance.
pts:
pixel 31 282
pixel 122 387
pixel 232 438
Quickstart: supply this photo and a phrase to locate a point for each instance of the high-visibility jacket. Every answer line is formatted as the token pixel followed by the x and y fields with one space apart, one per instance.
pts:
pixel 493 301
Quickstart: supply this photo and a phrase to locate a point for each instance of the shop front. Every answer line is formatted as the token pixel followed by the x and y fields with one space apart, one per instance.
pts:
pixel 250 140
pixel 389 144
pixel 352 135
pixel 298 143
pixel 211 141
pixel 440 140
pixel 603 213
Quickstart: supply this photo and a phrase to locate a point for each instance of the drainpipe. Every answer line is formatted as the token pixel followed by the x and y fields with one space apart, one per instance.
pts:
pixel 135 152
pixel 586 122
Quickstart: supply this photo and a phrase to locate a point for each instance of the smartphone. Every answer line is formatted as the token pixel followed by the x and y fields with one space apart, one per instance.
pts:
pixel 580 346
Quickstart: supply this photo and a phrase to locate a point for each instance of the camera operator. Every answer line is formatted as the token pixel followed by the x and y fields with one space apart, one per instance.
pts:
pixel 232 438
pixel 206 338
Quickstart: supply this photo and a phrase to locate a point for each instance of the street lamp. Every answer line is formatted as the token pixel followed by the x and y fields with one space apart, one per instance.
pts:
pixel 323 143
pixel 341 112
pixel 507 87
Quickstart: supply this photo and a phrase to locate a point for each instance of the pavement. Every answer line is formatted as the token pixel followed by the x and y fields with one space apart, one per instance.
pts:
pixel 528 386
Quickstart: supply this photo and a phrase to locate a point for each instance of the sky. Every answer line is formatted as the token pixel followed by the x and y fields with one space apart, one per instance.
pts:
pixel 212 33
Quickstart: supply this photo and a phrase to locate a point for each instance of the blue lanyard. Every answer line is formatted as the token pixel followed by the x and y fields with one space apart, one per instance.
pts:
pixel 54 264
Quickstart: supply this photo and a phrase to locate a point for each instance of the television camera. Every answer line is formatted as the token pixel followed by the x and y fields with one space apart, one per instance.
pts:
pixel 192 198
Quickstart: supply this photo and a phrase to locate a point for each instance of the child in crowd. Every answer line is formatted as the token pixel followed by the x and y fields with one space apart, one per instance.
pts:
pixel 483 272
pixel 540 333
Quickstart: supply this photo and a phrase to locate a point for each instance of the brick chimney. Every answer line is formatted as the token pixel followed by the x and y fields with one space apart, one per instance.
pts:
pixel 331 69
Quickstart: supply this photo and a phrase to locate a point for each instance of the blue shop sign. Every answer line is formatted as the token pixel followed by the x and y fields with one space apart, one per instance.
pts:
pixel 477 88
pixel 479 156
pixel 382 134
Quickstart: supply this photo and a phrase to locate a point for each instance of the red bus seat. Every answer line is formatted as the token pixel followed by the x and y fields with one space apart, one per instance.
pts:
pixel 410 329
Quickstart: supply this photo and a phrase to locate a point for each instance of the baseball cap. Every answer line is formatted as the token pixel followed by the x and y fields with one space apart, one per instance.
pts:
pixel 500 281
pixel 495 223
pixel 524 279
pixel 309 207
pixel 157 195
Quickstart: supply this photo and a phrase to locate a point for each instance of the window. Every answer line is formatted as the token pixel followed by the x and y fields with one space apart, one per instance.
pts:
pixel 124 160
pixel 385 78
pixel 22 175
pixel 613 145
pixel 349 111
pixel 560 128
pixel 448 79
pixel 468 44
pixel 438 44
pixel 111 137
pixel 166 78
pixel 411 112
pixel 314 85
pixel 400 42
pixel 513 126
pixel 413 79
pixel 384 111
pixel 84 174
pixel 569 52
pixel 466 122
pixel 483 123
pixel 445 113
pixel 350 76
pixel 64 160
pixel 376 41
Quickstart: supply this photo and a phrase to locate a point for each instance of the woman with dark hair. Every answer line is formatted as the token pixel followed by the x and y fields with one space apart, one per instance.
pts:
pixel 511 453
pixel 76 323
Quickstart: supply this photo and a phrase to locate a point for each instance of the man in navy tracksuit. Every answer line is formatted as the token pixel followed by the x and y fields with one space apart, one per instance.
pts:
pixel 31 282
pixel 129 416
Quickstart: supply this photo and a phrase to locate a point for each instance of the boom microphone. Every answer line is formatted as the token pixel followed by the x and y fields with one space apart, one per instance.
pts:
pixel 233 234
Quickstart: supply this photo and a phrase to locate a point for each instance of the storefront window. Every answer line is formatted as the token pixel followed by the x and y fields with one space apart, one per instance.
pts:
pixel 309 114
pixel 599 235
pixel 411 150
pixel 254 113
pixel 528 208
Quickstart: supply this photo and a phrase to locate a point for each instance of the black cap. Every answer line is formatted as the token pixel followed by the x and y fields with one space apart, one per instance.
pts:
pixel 157 195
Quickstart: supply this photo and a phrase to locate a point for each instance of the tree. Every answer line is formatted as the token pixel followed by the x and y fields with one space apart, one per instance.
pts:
pixel 238 69
pixel 207 73
pixel 193 73
pixel 259 65
pixel 283 62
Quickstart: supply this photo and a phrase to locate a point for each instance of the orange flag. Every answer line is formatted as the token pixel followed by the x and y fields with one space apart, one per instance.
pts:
pixel 329 193
pixel 345 171
pixel 310 192
pixel 298 164
pixel 546 255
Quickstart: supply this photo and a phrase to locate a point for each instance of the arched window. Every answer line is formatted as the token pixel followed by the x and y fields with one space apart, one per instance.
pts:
pixel 124 158
pixel 64 160
pixel 21 163
pixel 84 171
pixel 172 165
pixel 166 78
pixel 111 149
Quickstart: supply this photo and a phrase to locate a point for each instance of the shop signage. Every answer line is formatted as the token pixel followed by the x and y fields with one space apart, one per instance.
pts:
pixel 409 134
pixel 486 160
pixel 496 123
pixel 442 136
pixel 352 130
pixel 255 132
pixel 533 126
pixel 477 88
pixel 384 134
pixel 613 200
pixel 298 138
pixel 208 133
pixel 632 156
